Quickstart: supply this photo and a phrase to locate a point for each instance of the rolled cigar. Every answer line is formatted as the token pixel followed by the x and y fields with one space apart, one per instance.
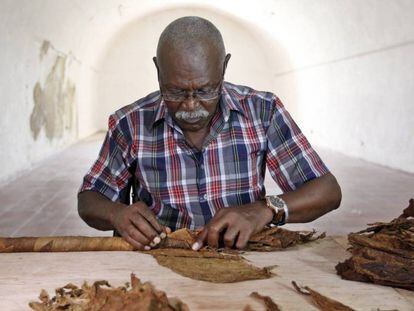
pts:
pixel 63 244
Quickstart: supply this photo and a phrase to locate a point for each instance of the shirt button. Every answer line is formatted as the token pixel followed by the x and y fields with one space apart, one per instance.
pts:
pixel 205 196
pixel 202 166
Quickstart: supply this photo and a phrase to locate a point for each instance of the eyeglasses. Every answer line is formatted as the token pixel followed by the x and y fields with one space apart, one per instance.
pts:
pixel 202 95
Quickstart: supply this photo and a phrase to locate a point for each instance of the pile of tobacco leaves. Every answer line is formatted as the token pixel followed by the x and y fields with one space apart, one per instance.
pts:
pixel 102 296
pixel 383 253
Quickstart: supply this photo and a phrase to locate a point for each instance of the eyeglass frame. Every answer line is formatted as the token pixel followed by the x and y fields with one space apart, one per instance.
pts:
pixel 194 94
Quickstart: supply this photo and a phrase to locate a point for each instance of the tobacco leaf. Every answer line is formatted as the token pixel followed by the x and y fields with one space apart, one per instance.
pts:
pixel 268 302
pixel 320 301
pixel 370 265
pixel 269 239
pixel 223 266
pixel 209 265
pixel 276 238
pixel 101 296
pixel 383 253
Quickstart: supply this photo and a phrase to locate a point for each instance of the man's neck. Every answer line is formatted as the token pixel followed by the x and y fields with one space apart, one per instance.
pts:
pixel 196 139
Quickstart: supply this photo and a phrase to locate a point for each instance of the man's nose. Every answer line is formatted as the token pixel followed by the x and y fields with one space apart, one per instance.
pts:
pixel 190 103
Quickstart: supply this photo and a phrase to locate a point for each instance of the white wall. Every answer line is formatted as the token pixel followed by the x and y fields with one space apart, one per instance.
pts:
pixel 127 71
pixel 344 68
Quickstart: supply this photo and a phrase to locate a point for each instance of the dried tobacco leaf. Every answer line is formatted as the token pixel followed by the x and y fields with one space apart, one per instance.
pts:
pixel 269 239
pixel 268 302
pixel 383 253
pixel 276 238
pixel 210 266
pixel 223 267
pixel 101 296
pixel 320 301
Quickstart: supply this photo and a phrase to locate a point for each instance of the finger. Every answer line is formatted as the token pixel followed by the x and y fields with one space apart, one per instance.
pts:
pixel 151 219
pixel 201 238
pixel 230 236
pixel 135 234
pixel 135 244
pixel 145 228
pixel 214 233
pixel 243 238
pixel 165 232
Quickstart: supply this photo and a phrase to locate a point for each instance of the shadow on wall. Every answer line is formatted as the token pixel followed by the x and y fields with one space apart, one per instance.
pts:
pixel 126 71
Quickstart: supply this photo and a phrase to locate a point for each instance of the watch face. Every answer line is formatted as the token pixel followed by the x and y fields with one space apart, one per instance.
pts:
pixel 276 201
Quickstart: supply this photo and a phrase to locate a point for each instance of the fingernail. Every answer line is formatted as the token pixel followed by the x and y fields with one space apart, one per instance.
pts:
pixel 147 248
pixel 168 230
pixel 196 246
pixel 157 240
pixel 152 244
pixel 163 235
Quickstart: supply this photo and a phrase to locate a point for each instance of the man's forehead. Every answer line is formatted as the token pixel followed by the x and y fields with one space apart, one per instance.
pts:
pixel 199 65
pixel 191 53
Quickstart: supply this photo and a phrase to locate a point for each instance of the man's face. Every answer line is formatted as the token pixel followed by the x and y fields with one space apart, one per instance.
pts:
pixel 190 82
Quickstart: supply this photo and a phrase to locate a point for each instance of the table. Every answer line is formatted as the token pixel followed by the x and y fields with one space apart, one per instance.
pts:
pixel 23 275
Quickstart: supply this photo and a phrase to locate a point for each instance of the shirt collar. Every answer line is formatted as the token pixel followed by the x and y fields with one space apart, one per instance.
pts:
pixel 228 102
pixel 161 111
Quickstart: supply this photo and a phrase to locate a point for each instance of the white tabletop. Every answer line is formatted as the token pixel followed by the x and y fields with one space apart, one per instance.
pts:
pixel 23 275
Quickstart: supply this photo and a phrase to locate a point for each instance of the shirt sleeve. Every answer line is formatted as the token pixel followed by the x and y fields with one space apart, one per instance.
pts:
pixel 109 174
pixel 290 158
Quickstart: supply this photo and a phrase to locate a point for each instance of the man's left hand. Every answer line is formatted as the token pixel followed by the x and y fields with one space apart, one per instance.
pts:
pixel 236 224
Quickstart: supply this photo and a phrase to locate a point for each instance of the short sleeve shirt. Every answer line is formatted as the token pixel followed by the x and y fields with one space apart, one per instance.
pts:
pixel 184 186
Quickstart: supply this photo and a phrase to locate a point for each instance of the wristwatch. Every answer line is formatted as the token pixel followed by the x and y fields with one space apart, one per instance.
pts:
pixel 279 209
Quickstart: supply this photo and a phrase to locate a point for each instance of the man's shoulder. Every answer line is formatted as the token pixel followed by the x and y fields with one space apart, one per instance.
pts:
pixel 259 105
pixel 142 109
pixel 148 103
pixel 243 92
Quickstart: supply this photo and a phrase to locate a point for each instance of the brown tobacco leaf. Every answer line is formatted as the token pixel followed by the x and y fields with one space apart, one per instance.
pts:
pixel 203 253
pixel 383 253
pixel 276 238
pixel 216 266
pixel 182 238
pixel 370 265
pixel 101 296
pixel 268 302
pixel 320 301
pixel 210 266
pixel 408 211
pixel 269 239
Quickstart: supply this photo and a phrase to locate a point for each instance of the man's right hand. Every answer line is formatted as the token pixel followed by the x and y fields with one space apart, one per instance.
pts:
pixel 138 225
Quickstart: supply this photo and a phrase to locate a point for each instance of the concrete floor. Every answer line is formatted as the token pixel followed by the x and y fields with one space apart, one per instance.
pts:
pixel 42 201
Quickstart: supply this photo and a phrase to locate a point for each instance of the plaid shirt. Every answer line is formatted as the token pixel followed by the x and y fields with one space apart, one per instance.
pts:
pixel 185 187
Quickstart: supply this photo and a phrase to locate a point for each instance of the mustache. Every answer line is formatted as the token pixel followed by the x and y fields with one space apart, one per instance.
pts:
pixel 199 112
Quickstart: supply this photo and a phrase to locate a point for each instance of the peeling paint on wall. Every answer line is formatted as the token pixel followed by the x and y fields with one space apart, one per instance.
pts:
pixel 53 103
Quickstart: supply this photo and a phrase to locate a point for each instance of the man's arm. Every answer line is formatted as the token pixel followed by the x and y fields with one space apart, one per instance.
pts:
pixel 136 223
pixel 313 199
pixel 307 203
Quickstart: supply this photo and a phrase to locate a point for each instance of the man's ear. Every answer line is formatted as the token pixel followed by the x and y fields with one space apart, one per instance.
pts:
pixel 154 59
pixel 226 60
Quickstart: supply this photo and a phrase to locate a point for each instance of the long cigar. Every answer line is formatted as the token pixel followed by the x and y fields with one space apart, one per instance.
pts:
pixel 63 244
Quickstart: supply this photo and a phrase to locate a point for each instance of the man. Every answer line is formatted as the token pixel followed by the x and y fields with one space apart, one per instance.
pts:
pixel 198 149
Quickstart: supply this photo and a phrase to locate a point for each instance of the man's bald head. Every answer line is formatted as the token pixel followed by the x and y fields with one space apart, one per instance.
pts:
pixel 191 58
pixel 187 33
